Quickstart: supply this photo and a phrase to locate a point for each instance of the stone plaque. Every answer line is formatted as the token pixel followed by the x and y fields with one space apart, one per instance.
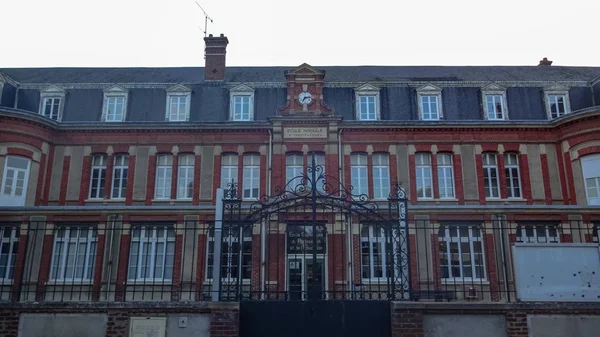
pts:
pixel 148 326
pixel 305 133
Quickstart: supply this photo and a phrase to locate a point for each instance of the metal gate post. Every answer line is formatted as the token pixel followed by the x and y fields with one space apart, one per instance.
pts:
pixel 216 284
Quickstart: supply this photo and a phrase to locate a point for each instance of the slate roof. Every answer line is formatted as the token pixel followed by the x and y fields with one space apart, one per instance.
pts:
pixel 333 74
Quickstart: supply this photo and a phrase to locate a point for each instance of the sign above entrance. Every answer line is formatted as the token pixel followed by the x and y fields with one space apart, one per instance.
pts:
pixel 305 133
pixel 300 240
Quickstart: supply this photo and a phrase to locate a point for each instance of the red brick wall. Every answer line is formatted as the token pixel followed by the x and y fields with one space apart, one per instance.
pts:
pixel 224 323
pixel 407 323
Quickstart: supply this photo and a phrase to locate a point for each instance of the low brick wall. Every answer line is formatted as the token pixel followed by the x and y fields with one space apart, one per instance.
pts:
pixel 408 318
pixel 224 317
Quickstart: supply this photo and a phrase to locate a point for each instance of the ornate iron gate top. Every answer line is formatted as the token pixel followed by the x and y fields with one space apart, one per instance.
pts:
pixel 324 204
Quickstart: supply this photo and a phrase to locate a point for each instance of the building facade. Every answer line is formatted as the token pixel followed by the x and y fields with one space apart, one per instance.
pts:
pixel 109 179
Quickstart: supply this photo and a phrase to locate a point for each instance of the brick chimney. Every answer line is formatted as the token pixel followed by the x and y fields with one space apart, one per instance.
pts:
pixel 545 62
pixel 214 54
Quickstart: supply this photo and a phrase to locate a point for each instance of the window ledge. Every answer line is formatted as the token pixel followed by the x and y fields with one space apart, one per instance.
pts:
pixel 149 282
pixel 244 282
pixel 438 200
pixel 465 281
pixel 506 200
pixel 70 283
pixel 373 281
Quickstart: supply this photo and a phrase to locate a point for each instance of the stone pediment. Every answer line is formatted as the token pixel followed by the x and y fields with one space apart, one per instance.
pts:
pixel 430 87
pixel 242 88
pixel 305 70
pixel 493 87
pixel 179 88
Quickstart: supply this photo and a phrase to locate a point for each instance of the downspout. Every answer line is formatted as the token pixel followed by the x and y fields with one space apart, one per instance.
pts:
pixel 263 232
pixel 348 219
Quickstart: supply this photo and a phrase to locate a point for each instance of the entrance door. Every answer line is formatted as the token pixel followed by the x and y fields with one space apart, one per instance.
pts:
pixel 303 282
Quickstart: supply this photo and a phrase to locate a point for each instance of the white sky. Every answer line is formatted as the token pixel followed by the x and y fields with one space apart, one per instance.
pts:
pixel 46 33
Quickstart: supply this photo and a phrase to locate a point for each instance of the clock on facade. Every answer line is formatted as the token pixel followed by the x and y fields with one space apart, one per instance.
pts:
pixel 305 97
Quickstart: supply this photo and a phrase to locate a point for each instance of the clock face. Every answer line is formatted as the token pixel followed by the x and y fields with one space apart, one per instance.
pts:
pixel 305 97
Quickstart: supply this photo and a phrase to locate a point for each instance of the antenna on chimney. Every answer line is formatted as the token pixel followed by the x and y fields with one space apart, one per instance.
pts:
pixel 206 18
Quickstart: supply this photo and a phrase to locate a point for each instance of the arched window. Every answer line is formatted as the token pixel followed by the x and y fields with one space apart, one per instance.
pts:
pixel 591 176
pixel 14 181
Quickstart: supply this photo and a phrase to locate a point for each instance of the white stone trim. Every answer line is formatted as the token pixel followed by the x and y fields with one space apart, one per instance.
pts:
pixel 367 90
pixel 557 90
pixel 430 90
pixel 52 91
pixel 115 91
pixel 496 90
pixel 178 90
pixel 241 90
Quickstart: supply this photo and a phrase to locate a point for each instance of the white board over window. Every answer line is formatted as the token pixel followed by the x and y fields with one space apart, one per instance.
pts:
pixel 557 272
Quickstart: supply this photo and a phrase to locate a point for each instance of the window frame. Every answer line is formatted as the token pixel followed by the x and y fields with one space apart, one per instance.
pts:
pixel 249 166
pixel 19 200
pixel 494 90
pixel 231 167
pixel 356 165
pixel 90 253
pixel 188 177
pixel 555 92
pixel 152 252
pixel 13 242
pixel 114 92
pixel 367 90
pixel 241 91
pixel 227 256
pixel 297 171
pixel 385 240
pixel 122 177
pixel 441 166
pixel 101 189
pixel 448 239
pixel 508 174
pixel 186 108
pixel 52 92
pixel 487 169
pixel 586 161
pixel 168 167
pixel 384 191
pixel 421 169
pixel 430 90
pixel 522 237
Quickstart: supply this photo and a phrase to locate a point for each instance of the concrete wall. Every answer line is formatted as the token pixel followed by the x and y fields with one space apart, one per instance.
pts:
pixel 75 171
pixel 56 175
pixel 535 172
pixel 197 325
pixel 62 325
pixel 464 325
pixel 469 172
pixel 563 325
pixel 140 174
pixel 553 172
pixel 206 172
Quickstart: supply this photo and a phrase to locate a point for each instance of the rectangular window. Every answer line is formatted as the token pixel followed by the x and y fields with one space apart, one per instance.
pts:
pixel 381 176
pixel 490 176
pixel 115 108
pixel 9 244
pixel 14 181
pixel 233 255
pixel 511 170
pixel 229 170
pixel 74 253
pixel 429 107
pixel 294 165
pixel 120 168
pixel 367 108
pixel 376 260
pixel 424 179
pixel 164 172
pixel 557 105
pixel 51 107
pixel 185 177
pixel 494 107
pixel 359 174
pixel 178 108
pixel 461 252
pixel 445 175
pixel 538 234
pixel 152 253
pixel 251 176
pixel 591 176
pixel 241 108
pixel 98 176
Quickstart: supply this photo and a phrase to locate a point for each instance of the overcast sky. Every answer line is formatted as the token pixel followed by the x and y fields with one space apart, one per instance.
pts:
pixel 46 33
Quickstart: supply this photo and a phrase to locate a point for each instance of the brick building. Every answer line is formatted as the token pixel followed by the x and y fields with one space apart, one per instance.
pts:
pixel 109 178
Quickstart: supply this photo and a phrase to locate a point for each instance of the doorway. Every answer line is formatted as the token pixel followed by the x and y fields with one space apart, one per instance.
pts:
pixel 305 280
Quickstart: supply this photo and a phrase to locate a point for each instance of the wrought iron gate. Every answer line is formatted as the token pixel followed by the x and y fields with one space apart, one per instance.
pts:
pixel 317 245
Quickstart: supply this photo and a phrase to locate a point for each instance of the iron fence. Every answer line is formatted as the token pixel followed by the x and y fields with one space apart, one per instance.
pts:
pixel 450 259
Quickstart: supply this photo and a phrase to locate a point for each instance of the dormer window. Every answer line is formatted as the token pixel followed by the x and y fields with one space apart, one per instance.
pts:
pixel 115 104
pixel 241 104
pixel 430 99
pixel 494 102
pixel 367 103
pixel 557 101
pixel 51 103
pixel 178 104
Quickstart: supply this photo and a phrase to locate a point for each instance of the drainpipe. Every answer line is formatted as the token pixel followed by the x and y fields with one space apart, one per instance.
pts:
pixel 263 230
pixel 348 219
